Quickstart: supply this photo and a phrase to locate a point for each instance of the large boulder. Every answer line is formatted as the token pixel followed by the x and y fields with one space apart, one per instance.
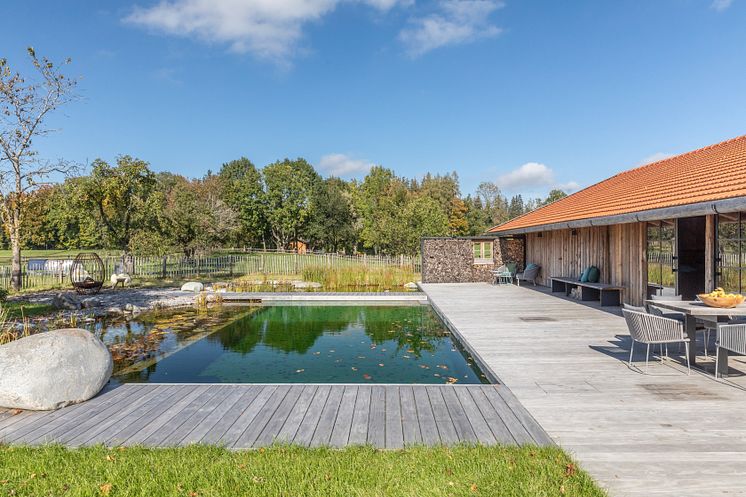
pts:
pixel 67 301
pixel 192 286
pixel 53 369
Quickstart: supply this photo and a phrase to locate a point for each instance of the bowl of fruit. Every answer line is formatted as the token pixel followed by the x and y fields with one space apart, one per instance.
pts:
pixel 718 298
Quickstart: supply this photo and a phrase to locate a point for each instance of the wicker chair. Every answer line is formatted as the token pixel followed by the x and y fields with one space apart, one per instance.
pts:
pixel 731 337
pixel 650 329
pixel 529 274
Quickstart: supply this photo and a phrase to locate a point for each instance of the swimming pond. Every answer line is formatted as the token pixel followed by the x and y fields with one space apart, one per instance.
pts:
pixel 290 344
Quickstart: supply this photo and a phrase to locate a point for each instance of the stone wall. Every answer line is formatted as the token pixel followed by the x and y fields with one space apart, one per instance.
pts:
pixel 451 260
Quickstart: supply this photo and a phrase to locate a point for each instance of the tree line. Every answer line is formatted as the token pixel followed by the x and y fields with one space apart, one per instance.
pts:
pixel 130 207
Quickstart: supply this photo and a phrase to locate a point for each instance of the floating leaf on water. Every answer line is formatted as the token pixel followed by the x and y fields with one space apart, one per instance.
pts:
pixel 299 370
pixel 424 366
pixel 380 364
pixel 366 376
pixel 437 375
pixel 442 366
pixel 405 357
pixel 451 380
pixel 353 368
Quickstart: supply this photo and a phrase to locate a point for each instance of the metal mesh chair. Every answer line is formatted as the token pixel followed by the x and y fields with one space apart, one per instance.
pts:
pixel 731 337
pixel 650 329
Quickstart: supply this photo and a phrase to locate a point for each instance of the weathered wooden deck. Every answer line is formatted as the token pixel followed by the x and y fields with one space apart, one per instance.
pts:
pixel 664 433
pixel 244 416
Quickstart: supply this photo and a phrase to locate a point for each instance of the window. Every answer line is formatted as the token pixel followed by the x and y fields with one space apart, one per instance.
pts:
pixel 731 253
pixel 660 254
pixel 483 253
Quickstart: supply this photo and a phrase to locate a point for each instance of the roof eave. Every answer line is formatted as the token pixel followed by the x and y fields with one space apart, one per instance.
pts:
pixel 734 204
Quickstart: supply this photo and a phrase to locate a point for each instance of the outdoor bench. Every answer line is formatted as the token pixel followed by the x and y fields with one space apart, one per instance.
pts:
pixel 605 293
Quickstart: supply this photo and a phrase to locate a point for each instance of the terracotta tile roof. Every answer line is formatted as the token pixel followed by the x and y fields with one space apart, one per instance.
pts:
pixel 716 172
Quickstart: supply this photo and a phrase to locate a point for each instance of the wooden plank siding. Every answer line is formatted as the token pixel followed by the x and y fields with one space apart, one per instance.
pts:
pixel 619 251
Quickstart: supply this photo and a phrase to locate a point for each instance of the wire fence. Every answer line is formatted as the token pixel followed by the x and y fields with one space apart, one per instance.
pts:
pixel 54 271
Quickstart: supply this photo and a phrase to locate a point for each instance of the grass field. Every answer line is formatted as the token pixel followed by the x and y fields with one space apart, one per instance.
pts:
pixel 290 471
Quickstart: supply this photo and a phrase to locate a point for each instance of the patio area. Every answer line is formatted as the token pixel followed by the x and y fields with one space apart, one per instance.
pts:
pixel 664 433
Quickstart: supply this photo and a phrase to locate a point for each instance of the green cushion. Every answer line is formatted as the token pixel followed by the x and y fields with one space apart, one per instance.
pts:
pixel 594 274
pixel 530 265
pixel 584 276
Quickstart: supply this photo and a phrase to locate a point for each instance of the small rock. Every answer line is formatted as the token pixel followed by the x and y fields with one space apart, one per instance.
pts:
pixel 305 284
pixel 192 286
pixel 114 311
pixel 90 302
pixel 53 369
pixel 66 301
pixel 411 285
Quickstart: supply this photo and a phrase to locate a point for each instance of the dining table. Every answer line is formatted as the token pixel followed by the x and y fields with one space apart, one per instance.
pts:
pixel 694 310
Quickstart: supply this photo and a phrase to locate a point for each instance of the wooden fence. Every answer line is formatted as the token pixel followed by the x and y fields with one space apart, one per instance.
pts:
pixel 55 272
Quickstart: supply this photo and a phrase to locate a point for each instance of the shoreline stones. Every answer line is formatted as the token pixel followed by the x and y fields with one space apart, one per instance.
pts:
pixel 192 286
pixel 53 369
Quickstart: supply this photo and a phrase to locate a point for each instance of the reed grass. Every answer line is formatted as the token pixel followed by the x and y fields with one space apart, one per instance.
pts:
pixel 381 278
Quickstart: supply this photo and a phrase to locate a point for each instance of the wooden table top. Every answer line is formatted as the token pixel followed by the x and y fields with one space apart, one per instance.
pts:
pixel 697 308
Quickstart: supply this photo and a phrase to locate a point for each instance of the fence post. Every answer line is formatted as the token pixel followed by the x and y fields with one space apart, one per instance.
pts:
pixel 163 267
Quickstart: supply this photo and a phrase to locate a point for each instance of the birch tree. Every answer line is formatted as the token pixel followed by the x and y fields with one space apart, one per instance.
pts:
pixel 24 108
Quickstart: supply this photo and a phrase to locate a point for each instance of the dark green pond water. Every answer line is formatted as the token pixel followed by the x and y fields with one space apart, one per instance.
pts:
pixel 301 344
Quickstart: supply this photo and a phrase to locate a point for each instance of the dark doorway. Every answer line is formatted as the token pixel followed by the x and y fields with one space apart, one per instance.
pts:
pixel 690 256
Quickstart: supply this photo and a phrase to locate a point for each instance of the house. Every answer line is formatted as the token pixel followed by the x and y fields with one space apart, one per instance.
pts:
pixel 675 226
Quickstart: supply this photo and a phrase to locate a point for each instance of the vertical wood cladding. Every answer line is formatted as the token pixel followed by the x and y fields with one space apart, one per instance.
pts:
pixel 451 260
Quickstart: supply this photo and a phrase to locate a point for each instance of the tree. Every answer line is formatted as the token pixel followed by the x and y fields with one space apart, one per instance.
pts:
pixel 493 202
pixel 424 217
pixel 241 189
pixel 516 207
pixel 554 195
pixel 195 217
pixel 123 198
pixel 458 224
pixel 332 224
pixel 24 107
pixel 289 189
pixel 379 203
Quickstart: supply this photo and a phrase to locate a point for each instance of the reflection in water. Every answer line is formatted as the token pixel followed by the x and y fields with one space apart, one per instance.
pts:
pixel 302 344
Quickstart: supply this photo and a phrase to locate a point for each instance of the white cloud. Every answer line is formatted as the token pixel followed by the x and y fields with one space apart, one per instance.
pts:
pixel 533 179
pixel 454 22
pixel 343 165
pixel 569 187
pixel 655 158
pixel 269 29
pixel 530 174
pixel 720 5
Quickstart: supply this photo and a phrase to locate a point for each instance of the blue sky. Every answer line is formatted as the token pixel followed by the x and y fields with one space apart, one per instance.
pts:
pixel 532 94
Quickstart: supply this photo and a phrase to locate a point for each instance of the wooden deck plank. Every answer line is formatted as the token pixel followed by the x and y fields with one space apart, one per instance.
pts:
pixel 208 424
pixel 146 413
pixel 76 432
pixel 78 414
pixel 410 422
pixel 235 420
pixel 516 428
pixel 394 433
pixel 425 417
pixel 328 415
pixel 295 418
pixel 307 428
pixel 492 417
pixel 359 426
pixel 276 422
pixel 461 423
pixel 377 417
pixel 474 417
pixel 153 432
pixel 176 437
pixel 443 420
pixel 343 423
pixel 262 417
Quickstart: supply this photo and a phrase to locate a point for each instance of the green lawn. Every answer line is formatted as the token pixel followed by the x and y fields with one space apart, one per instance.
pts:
pixel 290 471
pixel 19 309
